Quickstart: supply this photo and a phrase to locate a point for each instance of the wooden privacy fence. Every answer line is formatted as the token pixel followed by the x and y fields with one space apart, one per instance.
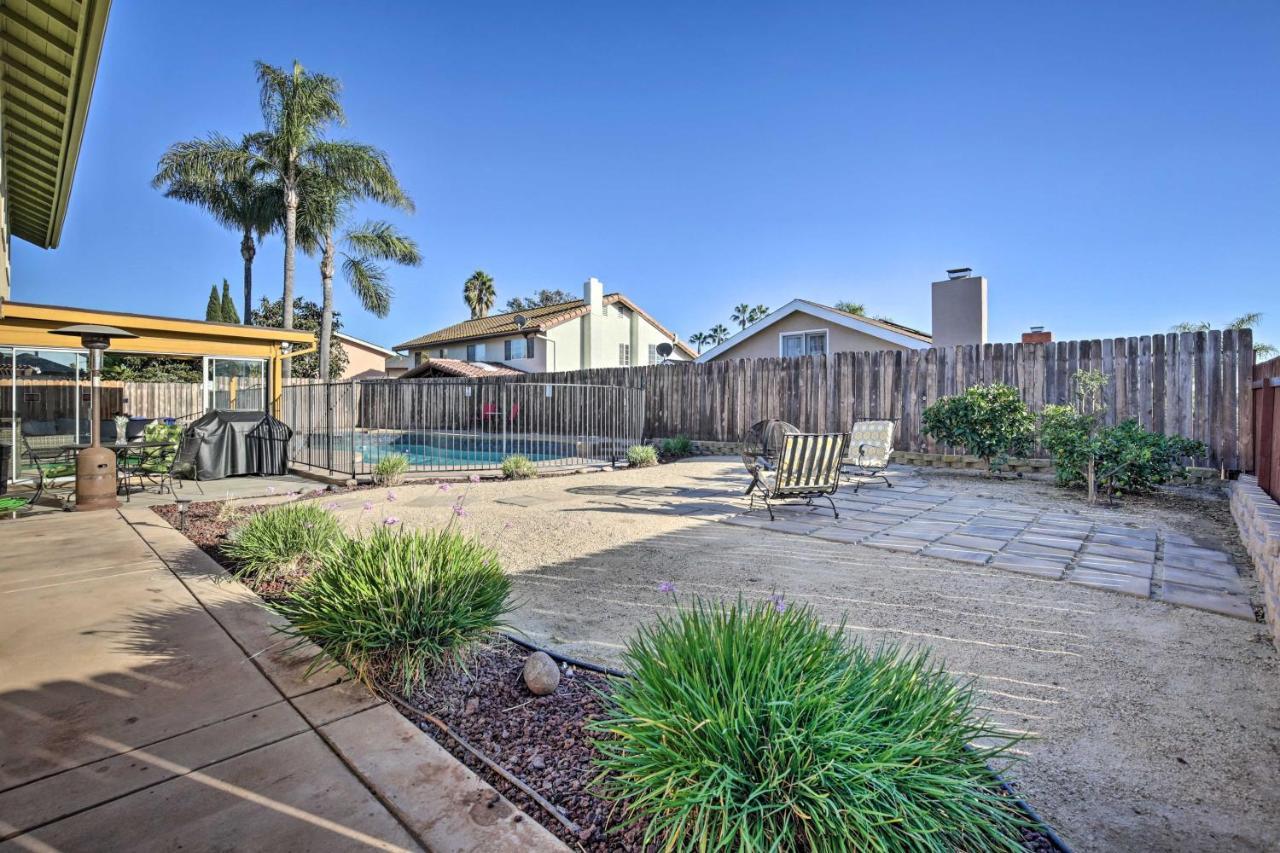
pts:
pixel 1266 425
pixel 1192 383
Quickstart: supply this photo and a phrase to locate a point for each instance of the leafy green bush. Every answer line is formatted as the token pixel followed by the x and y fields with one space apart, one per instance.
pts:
pixel 988 421
pixel 641 456
pixel 517 467
pixel 759 728
pixel 160 431
pixel 674 448
pixel 390 469
pixel 284 539
pixel 1126 458
pixel 399 603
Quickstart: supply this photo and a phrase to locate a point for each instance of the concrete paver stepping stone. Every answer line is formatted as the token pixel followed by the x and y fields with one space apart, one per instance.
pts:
pixel 839 534
pixel 1112 582
pixel 922 534
pixel 978 543
pixel 1032 549
pixel 1132 532
pixel 1236 606
pixel 1202 580
pixel 1060 543
pixel 788 526
pixel 1057 531
pixel 1195 552
pixel 1124 541
pixel 1116 551
pixel 990 531
pixel 1122 567
pixel 1196 564
pixel 1045 567
pixel 893 543
pixel 963 555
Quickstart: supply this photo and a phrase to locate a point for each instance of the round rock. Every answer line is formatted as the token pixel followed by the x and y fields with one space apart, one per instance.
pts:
pixel 541 675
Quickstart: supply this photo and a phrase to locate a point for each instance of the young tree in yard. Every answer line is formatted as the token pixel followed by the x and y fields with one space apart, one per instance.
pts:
pixel 307 316
pixel 221 177
pixel 478 293
pixel 539 300
pixel 213 310
pixel 988 421
pixel 229 313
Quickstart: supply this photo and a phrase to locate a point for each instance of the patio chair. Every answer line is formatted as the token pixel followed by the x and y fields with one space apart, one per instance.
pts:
pixel 808 467
pixel 45 465
pixel 869 451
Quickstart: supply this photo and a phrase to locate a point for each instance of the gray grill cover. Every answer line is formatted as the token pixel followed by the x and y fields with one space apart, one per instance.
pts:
pixel 227 443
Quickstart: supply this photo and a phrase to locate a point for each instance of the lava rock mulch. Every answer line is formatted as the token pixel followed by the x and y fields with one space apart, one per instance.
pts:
pixel 541 740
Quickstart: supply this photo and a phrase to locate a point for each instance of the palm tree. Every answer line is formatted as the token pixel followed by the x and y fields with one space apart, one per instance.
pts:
pixel 698 339
pixel 326 203
pixel 1244 321
pixel 718 334
pixel 234 193
pixel 479 294
pixel 758 313
pixel 741 315
pixel 851 308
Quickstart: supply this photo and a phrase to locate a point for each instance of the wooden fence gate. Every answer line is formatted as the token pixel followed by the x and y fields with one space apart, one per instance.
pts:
pixel 1266 426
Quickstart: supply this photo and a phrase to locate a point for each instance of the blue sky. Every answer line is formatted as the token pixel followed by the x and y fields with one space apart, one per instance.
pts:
pixel 1110 167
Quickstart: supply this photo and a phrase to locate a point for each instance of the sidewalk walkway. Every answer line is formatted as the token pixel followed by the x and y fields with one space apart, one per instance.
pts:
pixel 147 705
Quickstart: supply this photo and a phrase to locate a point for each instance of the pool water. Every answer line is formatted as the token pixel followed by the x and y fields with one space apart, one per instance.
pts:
pixel 469 451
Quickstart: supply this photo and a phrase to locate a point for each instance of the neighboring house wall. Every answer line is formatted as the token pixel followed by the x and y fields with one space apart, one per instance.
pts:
pixel 766 342
pixel 361 359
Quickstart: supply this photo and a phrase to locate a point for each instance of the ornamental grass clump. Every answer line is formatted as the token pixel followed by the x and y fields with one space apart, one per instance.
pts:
pixel 283 540
pixel 397 604
pixel 641 456
pixel 756 727
pixel 517 467
pixel 390 469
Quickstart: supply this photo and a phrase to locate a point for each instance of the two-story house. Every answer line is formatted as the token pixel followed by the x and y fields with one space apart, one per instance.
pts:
pixel 599 330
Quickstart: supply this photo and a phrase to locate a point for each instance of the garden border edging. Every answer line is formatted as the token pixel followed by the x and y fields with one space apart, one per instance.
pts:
pixel 441 802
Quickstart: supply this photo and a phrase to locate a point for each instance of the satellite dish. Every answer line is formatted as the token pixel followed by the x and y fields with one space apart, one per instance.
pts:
pixel 521 321
pixel 665 349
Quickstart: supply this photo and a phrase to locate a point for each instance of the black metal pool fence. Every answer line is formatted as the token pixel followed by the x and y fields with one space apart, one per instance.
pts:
pixel 459 425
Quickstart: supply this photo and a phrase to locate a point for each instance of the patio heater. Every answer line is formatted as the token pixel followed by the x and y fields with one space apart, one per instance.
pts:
pixel 95 465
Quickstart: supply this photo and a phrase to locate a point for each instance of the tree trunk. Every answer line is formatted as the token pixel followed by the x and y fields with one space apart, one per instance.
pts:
pixel 326 306
pixel 290 246
pixel 247 251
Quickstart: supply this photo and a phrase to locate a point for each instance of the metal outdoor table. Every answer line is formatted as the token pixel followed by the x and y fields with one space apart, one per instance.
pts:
pixel 145 448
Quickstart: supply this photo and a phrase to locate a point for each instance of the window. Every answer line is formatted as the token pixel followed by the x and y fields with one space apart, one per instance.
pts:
pixel 653 353
pixel 624 355
pixel 418 356
pixel 517 348
pixel 473 351
pixel 803 343
pixel 440 353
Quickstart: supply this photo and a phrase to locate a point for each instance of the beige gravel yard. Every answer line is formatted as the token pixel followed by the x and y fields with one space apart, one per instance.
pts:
pixel 1152 726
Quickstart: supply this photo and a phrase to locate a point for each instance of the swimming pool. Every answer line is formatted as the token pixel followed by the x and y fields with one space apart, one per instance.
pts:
pixel 462 450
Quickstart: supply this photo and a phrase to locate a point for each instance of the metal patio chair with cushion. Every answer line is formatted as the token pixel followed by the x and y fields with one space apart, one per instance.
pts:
pixel 44 466
pixel 807 467
pixel 869 450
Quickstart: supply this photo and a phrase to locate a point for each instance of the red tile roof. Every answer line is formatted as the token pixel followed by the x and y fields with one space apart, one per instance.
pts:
pixel 458 367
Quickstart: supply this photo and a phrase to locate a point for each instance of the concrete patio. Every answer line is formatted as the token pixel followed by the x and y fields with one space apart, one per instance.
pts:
pixel 148 704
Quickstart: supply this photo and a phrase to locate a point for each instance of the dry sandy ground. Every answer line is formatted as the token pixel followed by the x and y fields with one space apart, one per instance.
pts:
pixel 1153 727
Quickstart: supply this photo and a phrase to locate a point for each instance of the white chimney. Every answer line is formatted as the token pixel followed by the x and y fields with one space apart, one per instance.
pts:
pixel 593 354
pixel 960 309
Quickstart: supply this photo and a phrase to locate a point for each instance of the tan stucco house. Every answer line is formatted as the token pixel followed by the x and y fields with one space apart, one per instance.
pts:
pixel 365 359
pixel 598 330
pixel 802 327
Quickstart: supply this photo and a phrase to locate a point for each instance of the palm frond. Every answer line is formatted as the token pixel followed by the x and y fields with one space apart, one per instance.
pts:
pixel 362 171
pixel 369 283
pixel 1190 327
pixel 296 107
pixel 1246 321
pixel 381 241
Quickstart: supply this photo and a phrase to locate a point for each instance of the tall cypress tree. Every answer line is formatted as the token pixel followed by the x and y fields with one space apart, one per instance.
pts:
pixel 229 313
pixel 213 312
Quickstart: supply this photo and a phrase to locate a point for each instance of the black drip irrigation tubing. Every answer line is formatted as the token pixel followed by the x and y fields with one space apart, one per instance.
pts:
pixel 1040 825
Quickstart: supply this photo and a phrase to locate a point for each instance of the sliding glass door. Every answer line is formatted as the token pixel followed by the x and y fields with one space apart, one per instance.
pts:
pixel 44 401
pixel 235 383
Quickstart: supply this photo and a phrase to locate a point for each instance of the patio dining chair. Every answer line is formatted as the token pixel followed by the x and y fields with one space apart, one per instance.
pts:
pixel 808 467
pixel 49 469
pixel 869 451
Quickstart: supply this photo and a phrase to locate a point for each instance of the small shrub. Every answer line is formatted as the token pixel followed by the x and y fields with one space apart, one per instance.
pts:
pixel 1126 458
pixel 160 431
pixel 641 456
pixel 399 603
pixel 988 421
pixel 390 469
pixel 758 728
pixel 675 448
pixel 518 467
pixel 283 539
